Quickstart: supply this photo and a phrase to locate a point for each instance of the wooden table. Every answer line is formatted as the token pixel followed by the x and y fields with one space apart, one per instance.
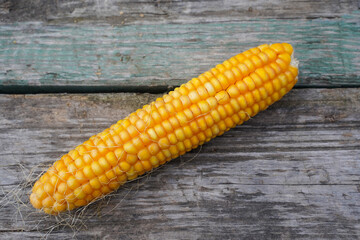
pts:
pixel 69 69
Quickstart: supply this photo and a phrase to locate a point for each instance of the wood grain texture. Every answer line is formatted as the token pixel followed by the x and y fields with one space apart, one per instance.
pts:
pixel 140 11
pixel 290 172
pixel 36 57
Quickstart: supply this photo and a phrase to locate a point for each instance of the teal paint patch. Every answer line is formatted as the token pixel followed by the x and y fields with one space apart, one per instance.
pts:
pixel 33 54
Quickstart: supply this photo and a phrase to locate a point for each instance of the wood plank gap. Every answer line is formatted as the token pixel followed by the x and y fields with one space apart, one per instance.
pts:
pixel 15 89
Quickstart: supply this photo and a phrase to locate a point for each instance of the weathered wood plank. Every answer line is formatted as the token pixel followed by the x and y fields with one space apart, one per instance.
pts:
pixel 139 12
pixel 85 58
pixel 290 172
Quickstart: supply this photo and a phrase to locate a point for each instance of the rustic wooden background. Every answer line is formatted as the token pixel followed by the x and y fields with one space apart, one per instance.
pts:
pixel 292 172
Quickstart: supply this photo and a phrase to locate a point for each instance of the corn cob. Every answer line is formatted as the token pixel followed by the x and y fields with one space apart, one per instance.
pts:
pixel 183 119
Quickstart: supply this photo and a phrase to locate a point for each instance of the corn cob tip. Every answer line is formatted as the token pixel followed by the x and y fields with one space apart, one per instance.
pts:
pixel 183 119
pixel 294 61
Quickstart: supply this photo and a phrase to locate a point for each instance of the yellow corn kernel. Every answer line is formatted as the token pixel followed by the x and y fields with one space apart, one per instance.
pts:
pixel 187 131
pixel 224 81
pixel 144 154
pixel 88 172
pixel 277 84
pixel 249 99
pixel 289 77
pixel 202 92
pixel 62 188
pixel 250 65
pixel 220 67
pixel 237 73
pixel 235 105
pixel 216 84
pixel 73 154
pixel 222 112
pixel 47 202
pixel 247 53
pixel 222 97
pixel 112 159
pixel 104 164
pixel 293 70
pixel 209 121
pixel 173 150
pixel 188 145
pixel 256 95
pixel 54 180
pixel 96 168
pixel 229 110
pixel 257 80
pixel 79 193
pixel 204 107
pixel 87 159
pixel 212 103
pixel 80 203
pixel 138 143
pixel 215 115
pixel 187 117
pixel 130 148
pixel 79 163
pixel 275 96
pixel 194 96
pixel 233 91
pixel 59 197
pixel 227 64
pixel 210 88
pixel 241 86
pixel 180 135
pixel 72 182
pixel 167 126
pixel 59 165
pixel 202 125
pixel 131 158
pixel 269 88
pixel 243 69
pixel 96 194
pixel 154 161
pixel 146 165
pixel 283 65
pixel 233 61
pixel 270 53
pixel 282 92
pixel 249 83
pixel 103 180
pixel 111 174
pixel 114 185
pixel 278 47
pixel 95 183
pixel 262 105
pixel 240 57
pixel 125 166
pixel 40 193
pixel 164 143
pixel 131 174
pixel 283 80
pixel 285 57
pixel 59 207
pixel 266 73
pixel 288 48
pixel 80 176
pixel 181 117
pixel 71 168
pixel 48 187
pixel 172 138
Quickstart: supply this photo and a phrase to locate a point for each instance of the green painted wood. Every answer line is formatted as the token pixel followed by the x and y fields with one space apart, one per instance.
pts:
pixel 156 57
pixel 175 11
